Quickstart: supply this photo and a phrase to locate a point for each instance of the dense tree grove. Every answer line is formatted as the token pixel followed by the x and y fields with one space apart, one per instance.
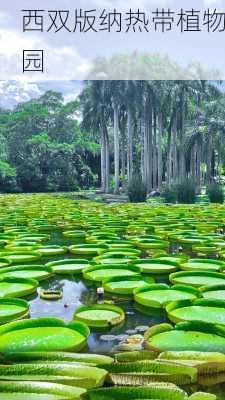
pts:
pixel 163 131
pixel 43 148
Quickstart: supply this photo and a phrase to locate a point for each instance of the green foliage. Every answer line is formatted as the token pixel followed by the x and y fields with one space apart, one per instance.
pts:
pixel 170 194
pixel 137 191
pixel 43 148
pixel 7 177
pixel 216 193
pixel 186 191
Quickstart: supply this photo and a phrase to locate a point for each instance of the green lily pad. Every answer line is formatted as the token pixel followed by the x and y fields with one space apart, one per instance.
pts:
pixel 201 264
pixel 76 374
pixel 38 391
pixel 11 309
pixel 212 311
pixel 74 234
pixel 59 356
pixel 16 257
pixel 100 315
pixel 197 278
pixel 52 250
pixel 177 258
pixel 154 391
pixel 14 287
pixel 126 285
pixel 89 250
pixel 216 292
pixel 157 266
pixel 38 272
pixel 100 273
pixel 42 334
pixel 186 336
pixel 68 266
pixel 4 262
pixel 159 295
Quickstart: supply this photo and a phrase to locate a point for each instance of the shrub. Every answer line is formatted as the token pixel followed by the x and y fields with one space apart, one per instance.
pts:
pixel 215 193
pixel 170 194
pixel 186 191
pixel 137 191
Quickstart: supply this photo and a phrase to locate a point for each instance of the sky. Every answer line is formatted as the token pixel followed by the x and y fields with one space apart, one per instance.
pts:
pixel 70 56
pixel 14 92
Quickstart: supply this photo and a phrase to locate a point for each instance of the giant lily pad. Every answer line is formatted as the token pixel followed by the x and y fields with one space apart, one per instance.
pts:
pixel 212 311
pixel 186 336
pixel 17 287
pixel 197 278
pixel 126 285
pixel 76 374
pixel 89 250
pixel 38 391
pixel 201 264
pixel 158 295
pixel 38 272
pixel 159 391
pixel 68 266
pixel 11 309
pixel 16 257
pixel 143 372
pixel 157 266
pixel 216 292
pixel 4 262
pixel 100 273
pixel 59 356
pixel 42 334
pixel 100 315
pixel 52 250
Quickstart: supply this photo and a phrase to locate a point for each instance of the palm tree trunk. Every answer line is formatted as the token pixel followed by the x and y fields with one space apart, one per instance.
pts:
pixel 107 163
pixel 116 148
pixel 129 145
pixel 160 133
pixel 103 161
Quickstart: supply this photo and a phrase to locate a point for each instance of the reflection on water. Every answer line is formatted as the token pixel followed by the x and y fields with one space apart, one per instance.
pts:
pixel 77 292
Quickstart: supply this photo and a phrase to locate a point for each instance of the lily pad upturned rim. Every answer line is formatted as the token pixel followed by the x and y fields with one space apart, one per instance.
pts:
pixel 192 327
pixel 160 271
pixel 97 323
pixel 28 256
pixel 97 267
pixel 44 322
pixel 6 261
pixel 54 249
pixel 67 261
pixel 123 290
pixel 18 315
pixel 174 275
pixel 14 268
pixel 162 286
pixel 187 267
pixel 94 249
pixel 51 294
pixel 32 282
pixel 174 305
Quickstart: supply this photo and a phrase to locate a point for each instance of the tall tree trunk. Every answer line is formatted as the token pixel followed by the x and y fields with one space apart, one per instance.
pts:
pixel 116 148
pixel 107 161
pixel 159 145
pixel 129 144
pixel 148 145
pixel 123 157
pixel 155 154
pixel 103 162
